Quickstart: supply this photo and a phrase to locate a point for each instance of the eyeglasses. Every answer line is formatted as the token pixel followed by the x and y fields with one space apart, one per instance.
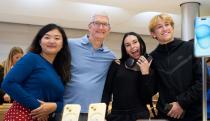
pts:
pixel 98 24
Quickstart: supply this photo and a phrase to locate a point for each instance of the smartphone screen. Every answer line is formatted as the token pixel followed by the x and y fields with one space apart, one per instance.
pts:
pixel 202 37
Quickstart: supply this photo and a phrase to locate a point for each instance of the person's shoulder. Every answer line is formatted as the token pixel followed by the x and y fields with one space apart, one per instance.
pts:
pixel 108 50
pixel 116 62
pixel 75 40
pixel 189 43
pixel 184 44
pixel 153 52
pixel 72 40
pixel 74 43
pixel 30 57
pixel 109 54
pixel 112 54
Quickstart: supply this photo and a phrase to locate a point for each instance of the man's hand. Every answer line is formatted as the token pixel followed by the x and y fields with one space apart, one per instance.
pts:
pixel 43 118
pixel 176 110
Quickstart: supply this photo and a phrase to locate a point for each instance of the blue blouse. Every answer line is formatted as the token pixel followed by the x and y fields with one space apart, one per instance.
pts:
pixel 33 78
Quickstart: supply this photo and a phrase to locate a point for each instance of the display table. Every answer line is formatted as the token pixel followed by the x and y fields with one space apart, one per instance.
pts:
pixel 3 108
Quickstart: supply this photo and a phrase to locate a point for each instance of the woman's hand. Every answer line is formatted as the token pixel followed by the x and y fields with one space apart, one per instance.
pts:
pixel 144 65
pixel 7 98
pixel 42 112
pixel 43 118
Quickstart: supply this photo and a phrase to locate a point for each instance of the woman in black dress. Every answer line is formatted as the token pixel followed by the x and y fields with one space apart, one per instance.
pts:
pixel 128 81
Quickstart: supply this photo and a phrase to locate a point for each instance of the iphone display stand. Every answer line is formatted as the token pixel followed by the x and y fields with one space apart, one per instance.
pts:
pixel 97 112
pixel 202 49
pixel 71 112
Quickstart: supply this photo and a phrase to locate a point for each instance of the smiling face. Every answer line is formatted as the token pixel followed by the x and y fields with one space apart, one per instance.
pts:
pixel 161 28
pixel 99 28
pixel 163 32
pixel 51 43
pixel 132 46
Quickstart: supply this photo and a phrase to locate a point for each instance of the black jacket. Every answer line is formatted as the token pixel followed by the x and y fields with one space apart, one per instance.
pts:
pixel 178 77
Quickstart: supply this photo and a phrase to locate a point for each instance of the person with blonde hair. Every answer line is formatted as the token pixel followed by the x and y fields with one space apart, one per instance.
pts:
pixel 14 55
pixel 178 74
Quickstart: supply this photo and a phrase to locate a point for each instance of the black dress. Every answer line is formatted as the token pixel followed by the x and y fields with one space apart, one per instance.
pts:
pixel 130 92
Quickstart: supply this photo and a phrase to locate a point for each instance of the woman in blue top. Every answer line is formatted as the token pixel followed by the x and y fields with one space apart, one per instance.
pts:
pixel 36 82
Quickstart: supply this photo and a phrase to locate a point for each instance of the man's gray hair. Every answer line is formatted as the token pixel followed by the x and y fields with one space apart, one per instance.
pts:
pixel 101 13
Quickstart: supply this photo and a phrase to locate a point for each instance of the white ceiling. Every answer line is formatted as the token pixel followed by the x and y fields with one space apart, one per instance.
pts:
pixel 125 15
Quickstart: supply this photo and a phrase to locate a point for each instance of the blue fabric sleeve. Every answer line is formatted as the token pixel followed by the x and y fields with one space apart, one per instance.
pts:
pixel 59 106
pixel 14 80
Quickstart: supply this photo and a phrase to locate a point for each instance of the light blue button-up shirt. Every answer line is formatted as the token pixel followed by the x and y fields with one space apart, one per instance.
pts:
pixel 89 69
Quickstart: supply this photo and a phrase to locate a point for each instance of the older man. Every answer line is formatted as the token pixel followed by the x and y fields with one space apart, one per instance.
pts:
pixel 89 65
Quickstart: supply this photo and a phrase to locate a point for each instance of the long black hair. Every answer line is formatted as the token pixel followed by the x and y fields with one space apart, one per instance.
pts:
pixel 62 59
pixel 124 54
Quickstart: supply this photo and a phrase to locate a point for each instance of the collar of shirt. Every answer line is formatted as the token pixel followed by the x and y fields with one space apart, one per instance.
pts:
pixel 86 41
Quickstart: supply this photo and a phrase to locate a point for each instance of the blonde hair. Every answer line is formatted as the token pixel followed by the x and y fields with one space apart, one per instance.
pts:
pixel 9 62
pixel 154 21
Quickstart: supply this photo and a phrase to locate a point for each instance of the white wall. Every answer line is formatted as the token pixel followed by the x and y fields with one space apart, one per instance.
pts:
pixel 12 34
